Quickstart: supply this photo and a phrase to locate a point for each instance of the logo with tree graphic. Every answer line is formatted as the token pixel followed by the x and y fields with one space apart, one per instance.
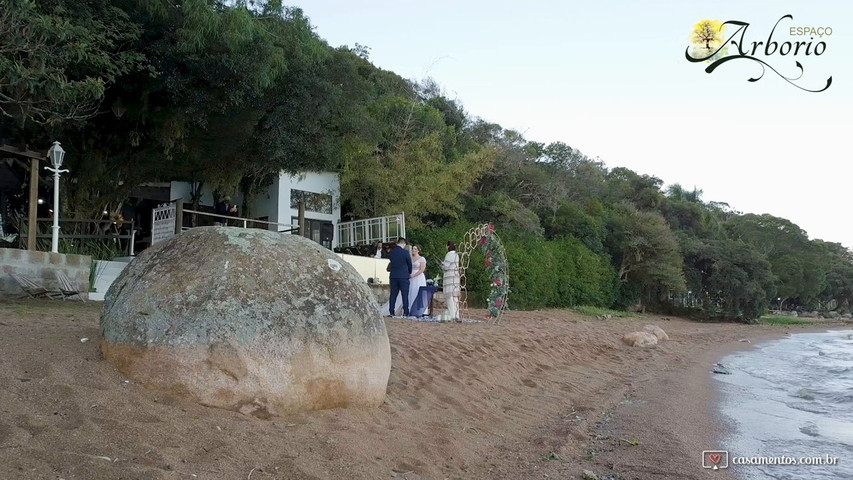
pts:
pixel 709 44
pixel 707 38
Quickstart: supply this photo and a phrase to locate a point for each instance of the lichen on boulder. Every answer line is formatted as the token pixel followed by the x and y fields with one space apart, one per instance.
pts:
pixel 246 319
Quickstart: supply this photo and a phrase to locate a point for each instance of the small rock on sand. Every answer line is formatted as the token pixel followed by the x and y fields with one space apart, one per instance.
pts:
pixel 656 331
pixel 589 475
pixel 721 369
pixel 640 339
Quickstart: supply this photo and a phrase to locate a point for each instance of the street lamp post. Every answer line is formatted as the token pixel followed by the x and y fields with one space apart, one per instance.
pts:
pixel 55 154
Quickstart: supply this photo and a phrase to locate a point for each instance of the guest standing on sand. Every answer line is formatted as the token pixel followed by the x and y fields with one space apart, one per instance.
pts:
pixel 400 269
pixel 451 286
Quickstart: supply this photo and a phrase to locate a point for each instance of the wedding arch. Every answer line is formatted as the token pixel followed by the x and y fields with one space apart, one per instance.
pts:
pixel 484 238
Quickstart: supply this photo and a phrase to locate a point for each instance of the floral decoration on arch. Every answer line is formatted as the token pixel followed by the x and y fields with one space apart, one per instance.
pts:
pixel 484 238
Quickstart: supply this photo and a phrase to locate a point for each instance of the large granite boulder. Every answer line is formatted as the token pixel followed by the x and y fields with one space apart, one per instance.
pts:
pixel 247 319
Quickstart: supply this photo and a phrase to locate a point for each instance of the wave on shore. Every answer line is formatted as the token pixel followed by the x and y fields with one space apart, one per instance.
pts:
pixel 791 397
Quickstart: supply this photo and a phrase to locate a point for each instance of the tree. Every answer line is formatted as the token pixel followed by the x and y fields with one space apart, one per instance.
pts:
pixel 797 263
pixel 501 209
pixel 643 191
pixel 412 178
pixel 839 277
pixel 571 219
pixel 192 112
pixel 646 253
pixel 57 58
pixel 685 211
pixel 731 277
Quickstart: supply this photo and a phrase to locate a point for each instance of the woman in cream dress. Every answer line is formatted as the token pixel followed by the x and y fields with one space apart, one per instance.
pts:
pixel 451 286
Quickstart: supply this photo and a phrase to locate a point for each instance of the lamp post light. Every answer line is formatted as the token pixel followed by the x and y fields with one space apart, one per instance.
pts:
pixel 55 154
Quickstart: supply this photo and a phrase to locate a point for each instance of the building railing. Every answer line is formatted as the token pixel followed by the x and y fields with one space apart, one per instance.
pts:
pixel 371 230
pixel 237 221
pixel 122 233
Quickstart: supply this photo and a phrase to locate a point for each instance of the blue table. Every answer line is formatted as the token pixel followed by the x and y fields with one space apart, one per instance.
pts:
pixel 423 300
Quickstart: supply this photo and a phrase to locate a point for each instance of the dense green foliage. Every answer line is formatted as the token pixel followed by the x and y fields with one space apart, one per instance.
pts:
pixel 776 320
pixel 227 94
pixel 58 58
pixel 543 273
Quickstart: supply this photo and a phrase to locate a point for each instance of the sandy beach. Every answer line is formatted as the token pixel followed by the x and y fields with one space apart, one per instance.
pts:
pixel 546 394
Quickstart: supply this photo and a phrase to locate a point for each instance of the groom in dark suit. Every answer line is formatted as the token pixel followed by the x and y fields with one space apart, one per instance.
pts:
pixel 400 269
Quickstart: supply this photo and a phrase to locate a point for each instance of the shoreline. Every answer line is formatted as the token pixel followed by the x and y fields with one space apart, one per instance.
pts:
pixel 688 407
pixel 545 394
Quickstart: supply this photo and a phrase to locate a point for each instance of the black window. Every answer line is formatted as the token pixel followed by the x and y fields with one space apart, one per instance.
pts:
pixel 321 231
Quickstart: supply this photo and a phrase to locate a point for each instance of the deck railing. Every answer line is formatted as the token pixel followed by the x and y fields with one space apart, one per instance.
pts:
pixel 371 230
pixel 121 233
pixel 240 221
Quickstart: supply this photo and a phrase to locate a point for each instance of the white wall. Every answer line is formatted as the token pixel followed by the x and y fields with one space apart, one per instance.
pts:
pixel 265 204
pixel 323 182
pixel 369 267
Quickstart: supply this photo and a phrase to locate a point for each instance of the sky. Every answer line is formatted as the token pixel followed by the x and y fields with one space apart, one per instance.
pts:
pixel 610 78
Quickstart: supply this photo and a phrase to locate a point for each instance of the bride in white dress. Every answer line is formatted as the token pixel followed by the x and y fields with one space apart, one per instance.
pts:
pixel 417 279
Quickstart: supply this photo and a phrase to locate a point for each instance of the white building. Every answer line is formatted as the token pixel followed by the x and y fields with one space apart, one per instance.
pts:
pixel 320 193
pixel 278 204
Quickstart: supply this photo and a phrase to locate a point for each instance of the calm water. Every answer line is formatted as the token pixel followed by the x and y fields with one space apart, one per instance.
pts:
pixel 791 397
